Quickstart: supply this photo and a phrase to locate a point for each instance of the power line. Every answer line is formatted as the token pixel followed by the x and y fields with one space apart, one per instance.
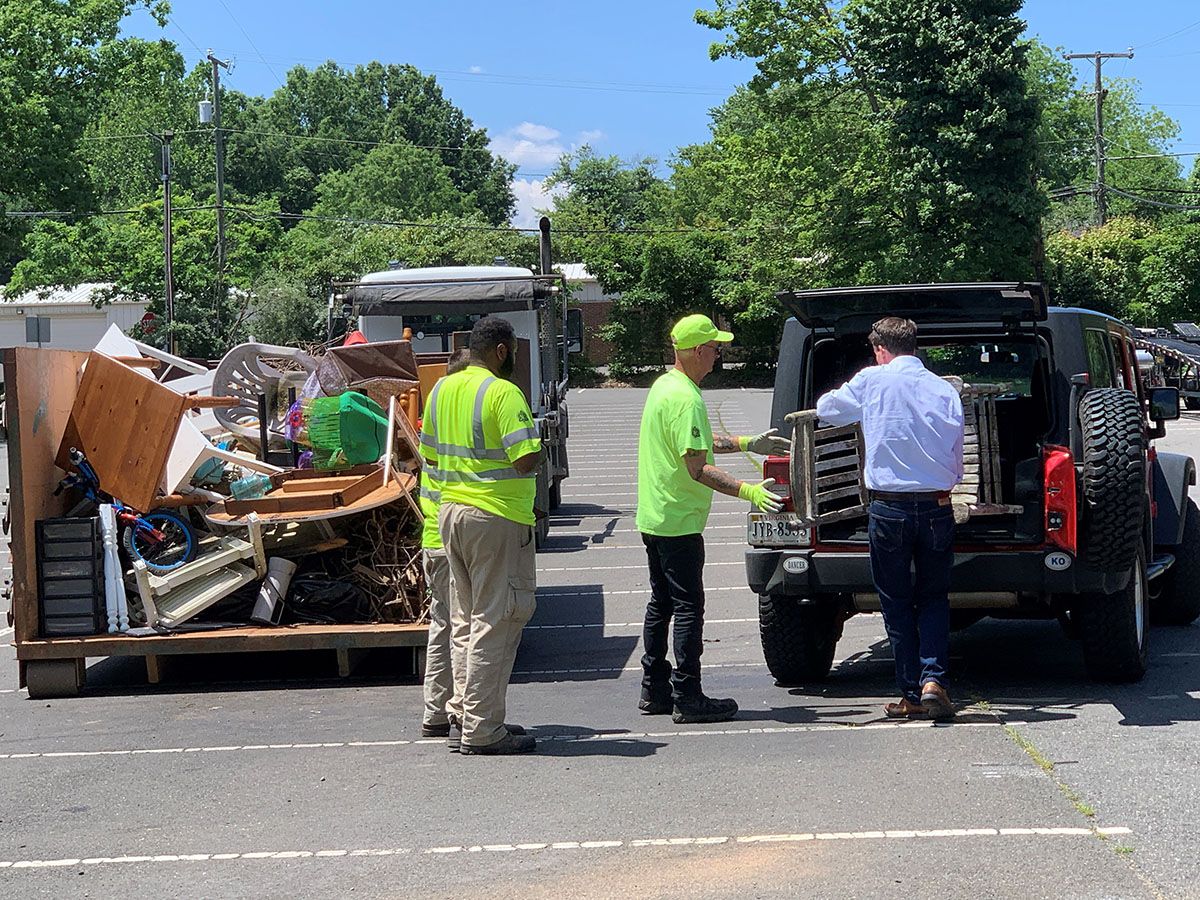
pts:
pixel 1162 204
pixel 1156 155
pixel 332 140
pixel 251 40
pixel 76 214
pixel 1167 37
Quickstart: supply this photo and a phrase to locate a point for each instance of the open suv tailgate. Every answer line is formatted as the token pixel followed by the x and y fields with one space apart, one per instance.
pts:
pixel 1007 302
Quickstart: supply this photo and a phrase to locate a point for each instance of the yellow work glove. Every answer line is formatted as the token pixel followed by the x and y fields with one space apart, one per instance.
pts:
pixel 759 495
pixel 769 443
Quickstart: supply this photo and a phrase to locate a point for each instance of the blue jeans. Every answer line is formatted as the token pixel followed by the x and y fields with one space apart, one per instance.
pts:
pixel 908 535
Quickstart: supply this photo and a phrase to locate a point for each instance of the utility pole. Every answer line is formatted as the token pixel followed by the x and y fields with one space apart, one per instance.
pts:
pixel 219 140
pixel 1098 58
pixel 168 271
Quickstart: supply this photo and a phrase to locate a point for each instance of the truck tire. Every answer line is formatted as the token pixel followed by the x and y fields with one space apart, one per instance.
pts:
pixel 1191 402
pixel 1115 628
pixel 1114 478
pixel 1179 601
pixel 798 640
pixel 555 495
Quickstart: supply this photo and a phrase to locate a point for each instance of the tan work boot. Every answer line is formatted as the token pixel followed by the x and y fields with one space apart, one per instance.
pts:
pixel 936 701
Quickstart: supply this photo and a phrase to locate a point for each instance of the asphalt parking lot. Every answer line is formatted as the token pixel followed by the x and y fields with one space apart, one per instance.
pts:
pixel 268 777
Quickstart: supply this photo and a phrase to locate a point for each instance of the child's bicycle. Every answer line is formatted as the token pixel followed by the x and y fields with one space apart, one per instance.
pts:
pixel 162 539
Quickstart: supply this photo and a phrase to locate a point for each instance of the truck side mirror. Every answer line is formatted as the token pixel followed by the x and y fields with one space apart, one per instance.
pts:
pixel 1164 404
pixel 574 335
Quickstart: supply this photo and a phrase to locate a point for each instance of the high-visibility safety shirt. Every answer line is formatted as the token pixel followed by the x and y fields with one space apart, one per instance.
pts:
pixel 475 426
pixel 431 500
pixel 670 501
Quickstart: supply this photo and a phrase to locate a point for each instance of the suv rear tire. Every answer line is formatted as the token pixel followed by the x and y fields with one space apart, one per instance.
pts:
pixel 798 640
pixel 1179 602
pixel 1115 628
pixel 1114 477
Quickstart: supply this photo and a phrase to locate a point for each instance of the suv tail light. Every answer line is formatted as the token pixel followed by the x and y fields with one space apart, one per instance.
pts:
pixel 1060 509
pixel 777 467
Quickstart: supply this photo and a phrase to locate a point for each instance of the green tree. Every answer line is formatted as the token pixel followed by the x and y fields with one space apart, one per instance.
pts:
pixel 961 166
pixel 392 181
pixel 49 67
pixel 126 252
pixel 327 119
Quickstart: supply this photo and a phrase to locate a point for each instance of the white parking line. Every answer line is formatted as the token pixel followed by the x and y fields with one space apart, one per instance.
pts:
pixel 5 632
pixel 719 843
pixel 602 737
pixel 707 565
pixel 599 546
pixel 577 627
pixel 554 592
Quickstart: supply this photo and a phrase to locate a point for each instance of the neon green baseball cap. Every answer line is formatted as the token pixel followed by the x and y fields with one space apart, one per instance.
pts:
pixel 692 331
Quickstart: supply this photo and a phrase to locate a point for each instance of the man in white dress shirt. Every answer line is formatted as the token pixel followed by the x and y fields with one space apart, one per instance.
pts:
pixel 912 423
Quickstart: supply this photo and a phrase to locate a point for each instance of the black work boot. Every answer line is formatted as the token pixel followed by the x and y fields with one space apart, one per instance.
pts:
pixel 509 745
pixel 697 709
pixel 655 702
pixel 454 742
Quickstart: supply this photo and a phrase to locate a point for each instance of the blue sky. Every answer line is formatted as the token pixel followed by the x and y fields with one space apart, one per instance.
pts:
pixel 629 78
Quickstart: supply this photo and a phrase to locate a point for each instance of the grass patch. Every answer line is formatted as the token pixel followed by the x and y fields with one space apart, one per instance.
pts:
pixel 1046 765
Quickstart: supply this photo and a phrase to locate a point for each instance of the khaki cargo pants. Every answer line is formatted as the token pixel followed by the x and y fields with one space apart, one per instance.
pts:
pixel 439 681
pixel 494 571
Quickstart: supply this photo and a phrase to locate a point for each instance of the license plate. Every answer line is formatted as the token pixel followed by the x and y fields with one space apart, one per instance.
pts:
pixel 775 528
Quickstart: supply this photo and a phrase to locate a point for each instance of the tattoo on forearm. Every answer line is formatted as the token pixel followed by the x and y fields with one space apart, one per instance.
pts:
pixel 725 443
pixel 719 480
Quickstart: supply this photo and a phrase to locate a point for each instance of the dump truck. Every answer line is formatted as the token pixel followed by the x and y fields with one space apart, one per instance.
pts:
pixel 436 307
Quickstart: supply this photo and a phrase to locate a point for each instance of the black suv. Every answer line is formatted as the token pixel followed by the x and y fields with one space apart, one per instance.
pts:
pixel 1093 526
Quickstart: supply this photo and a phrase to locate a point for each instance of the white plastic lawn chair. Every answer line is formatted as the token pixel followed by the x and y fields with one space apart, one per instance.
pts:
pixel 244 373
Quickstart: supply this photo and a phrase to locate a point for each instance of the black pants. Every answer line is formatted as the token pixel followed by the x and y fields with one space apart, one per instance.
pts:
pixel 676 591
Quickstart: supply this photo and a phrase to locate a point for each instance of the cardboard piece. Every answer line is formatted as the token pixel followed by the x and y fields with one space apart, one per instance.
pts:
pixel 125 425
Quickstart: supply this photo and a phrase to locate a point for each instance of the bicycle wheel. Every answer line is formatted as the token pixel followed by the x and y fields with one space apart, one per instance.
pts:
pixel 176 546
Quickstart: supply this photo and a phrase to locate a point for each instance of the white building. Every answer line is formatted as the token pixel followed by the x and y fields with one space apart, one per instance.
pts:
pixel 66 316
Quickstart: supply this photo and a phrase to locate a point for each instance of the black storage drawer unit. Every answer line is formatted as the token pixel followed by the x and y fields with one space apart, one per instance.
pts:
pixel 70 562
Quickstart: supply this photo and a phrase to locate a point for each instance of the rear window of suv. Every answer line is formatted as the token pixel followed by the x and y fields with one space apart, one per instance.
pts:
pixel 1008 363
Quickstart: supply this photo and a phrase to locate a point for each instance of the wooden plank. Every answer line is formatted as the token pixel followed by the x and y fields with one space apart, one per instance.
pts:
pixel 429 375
pixel 128 459
pixel 401 485
pixel 848 477
pixel 834 431
pixel 40 391
pixel 229 640
pixel 825 450
pixel 842 462
pixel 842 514
pixel 839 494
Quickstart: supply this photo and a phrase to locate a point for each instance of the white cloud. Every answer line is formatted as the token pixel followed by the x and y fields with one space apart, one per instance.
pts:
pixel 532 197
pixel 529 144
pixel 476 70
pixel 533 132
pixel 592 136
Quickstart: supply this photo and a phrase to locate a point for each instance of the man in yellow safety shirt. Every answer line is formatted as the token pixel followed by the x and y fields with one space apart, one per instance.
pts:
pixel 439 680
pixel 676 480
pixel 479 434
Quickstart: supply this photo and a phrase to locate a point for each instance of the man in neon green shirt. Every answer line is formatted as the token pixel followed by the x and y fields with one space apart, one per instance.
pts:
pixel 676 480
pixel 439 679
pixel 479 436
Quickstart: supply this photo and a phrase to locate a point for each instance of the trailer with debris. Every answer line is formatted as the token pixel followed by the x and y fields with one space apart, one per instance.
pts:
pixel 436 308
pixel 158 508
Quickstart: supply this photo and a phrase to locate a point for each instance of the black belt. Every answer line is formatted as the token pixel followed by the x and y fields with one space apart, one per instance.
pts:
pixel 909 496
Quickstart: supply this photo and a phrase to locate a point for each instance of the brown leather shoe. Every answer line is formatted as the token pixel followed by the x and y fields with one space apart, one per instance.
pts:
pixel 936 701
pixel 905 709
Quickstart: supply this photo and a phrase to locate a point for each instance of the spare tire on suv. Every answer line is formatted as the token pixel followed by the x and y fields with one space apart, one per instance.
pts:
pixel 1114 478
